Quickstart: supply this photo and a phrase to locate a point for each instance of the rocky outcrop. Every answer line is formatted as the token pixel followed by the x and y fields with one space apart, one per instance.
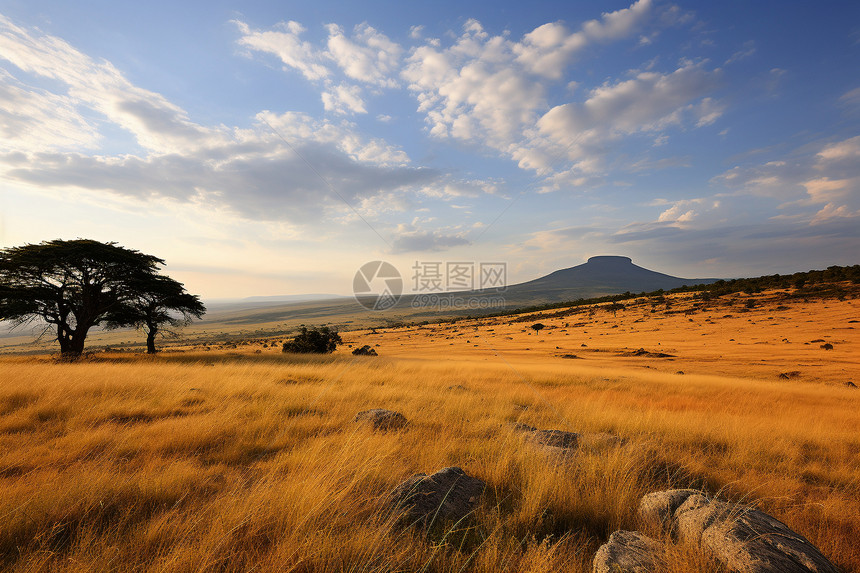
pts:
pixel 629 552
pixel 744 539
pixel 447 496
pixel 658 509
pixel 381 419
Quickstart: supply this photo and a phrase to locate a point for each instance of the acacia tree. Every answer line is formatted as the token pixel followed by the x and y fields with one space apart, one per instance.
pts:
pixel 158 301
pixel 71 285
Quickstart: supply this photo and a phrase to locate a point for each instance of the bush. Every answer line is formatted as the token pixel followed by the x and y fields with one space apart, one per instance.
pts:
pixel 314 340
pixel 365 350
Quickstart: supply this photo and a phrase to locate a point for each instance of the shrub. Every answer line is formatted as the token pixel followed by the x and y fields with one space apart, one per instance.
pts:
pixel 314 340
pixel 365 350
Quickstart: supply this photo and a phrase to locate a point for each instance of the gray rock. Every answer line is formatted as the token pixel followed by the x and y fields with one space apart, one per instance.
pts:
pixel 629 552
pixel 447 496
pixel 381 419
pixel 745 540
pixel 560 441
pixel 749 540
pixel 554 438
pixel 658 509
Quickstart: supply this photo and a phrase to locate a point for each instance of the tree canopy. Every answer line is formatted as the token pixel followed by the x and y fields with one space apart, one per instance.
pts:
pixel 157 301
pixel 74 285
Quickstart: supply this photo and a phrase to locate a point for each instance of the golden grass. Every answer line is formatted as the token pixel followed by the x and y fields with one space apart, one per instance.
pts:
pixel 236 462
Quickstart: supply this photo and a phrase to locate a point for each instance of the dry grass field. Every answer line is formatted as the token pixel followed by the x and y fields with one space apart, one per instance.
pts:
pixel 238 460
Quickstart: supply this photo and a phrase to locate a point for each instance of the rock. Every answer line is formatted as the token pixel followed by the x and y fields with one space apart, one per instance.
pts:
pixel 658 508
pixel 745 540
pixel 381 419
pixel 629 552
pixel 562 442
pixel 366 350
pixel 647 354
pixel 447 496
pixel 554 438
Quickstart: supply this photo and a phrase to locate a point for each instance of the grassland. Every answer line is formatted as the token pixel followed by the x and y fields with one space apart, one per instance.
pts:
pixel 236 460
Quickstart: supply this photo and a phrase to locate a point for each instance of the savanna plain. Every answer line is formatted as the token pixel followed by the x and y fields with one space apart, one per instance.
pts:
pixel 242 458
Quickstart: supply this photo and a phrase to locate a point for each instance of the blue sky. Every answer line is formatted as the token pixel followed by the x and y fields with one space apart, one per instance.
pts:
pixel 272 148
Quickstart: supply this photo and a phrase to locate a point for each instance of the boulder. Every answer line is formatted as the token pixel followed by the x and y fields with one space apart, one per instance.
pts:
pixel 744 539
pixel 658 509
pixel 747 540
pixel 560 441
pixel 629 552
pixel 447 496
pixel 381 419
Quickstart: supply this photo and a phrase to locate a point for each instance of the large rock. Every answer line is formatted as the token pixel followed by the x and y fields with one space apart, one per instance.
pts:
pixel 745 540
pixel 629 552
pixel 748 540
pixel 658 509
pixel 447 496
pixel 381 419
pixel 563 442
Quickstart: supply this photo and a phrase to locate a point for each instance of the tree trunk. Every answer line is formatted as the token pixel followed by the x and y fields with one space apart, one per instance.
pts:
pixel 74 342
pixel 63 339
pixel 150 341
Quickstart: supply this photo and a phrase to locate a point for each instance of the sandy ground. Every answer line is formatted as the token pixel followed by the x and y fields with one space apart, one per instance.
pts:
pixel 775 337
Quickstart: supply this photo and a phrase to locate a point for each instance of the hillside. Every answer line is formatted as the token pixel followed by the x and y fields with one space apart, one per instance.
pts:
pixel 599 276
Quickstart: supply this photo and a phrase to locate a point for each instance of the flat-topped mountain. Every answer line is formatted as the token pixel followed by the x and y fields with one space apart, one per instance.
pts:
pixel 599 276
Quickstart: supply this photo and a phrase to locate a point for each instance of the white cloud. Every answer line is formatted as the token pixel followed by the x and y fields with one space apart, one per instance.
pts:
pixel 493 91
pixel 851 98
pixel 747 50
pixel 33 119
pixel 831 211
pixel 284 42
pixel 285 167
pixel 344 99
pixel 648 103
pixel 813 186
pixel 410 238
pixel 157 124
pixel 847 150
pixel 369 56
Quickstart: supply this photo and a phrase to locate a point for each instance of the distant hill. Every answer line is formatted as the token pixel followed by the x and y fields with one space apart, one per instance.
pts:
pixel 599 276
pixel 292 297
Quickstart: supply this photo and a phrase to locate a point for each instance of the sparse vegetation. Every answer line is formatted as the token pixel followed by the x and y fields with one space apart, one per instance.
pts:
pixel 217 458
pixel 171 466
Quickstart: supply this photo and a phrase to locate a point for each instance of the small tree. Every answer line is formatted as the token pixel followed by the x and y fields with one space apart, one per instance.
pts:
pixel 322 340
pixel 158 301
pixel 70 285
pixel 537 327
